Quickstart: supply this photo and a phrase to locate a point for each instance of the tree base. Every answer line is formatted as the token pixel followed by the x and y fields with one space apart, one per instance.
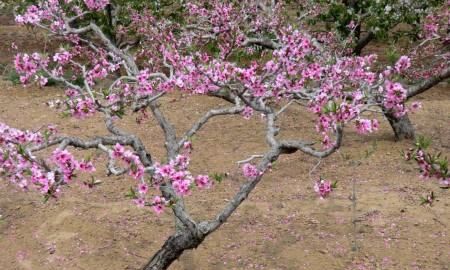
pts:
pixel 402 126
pixel 172 249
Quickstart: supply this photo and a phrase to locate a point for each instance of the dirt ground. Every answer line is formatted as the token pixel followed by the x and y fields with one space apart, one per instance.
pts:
pixel 283 225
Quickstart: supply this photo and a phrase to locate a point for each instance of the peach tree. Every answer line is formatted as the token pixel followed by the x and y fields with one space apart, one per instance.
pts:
pixel 214 48
pixel 418 29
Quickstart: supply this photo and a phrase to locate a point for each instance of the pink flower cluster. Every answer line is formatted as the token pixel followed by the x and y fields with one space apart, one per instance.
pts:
pixel 402 64
pixel 67 164
pixel 229 21
pixel 365 126
pixel 428 169
pixel 13 161
pixel 323 188
pixel 250 171
pixel 158 204
pixel 144 87
pixel 33 15
pixel 98 72
pixel 62 57
pixel 247 112
pixel 176 172
pixel 22 167
pixel 395 96
pixel 82 108
pixel 96 4
pixel 203 181
pixel 431 26
pixel 136 168
pixel 28 65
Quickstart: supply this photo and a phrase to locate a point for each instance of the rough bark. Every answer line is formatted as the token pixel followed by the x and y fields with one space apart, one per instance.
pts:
pixel 362 43
pixel 172 249
pixel 429 83
pixel 402 126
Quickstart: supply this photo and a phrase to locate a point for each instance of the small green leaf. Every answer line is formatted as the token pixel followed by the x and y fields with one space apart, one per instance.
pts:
pixel 6 155
pixel 334 185
pixel 46 198
pixel 131 194
pixel 21 150
pixel 218 177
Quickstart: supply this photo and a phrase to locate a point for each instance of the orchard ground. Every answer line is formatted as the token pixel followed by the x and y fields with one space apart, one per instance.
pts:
pixel 283 224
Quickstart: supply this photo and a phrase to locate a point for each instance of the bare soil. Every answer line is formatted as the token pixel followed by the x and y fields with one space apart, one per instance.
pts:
pixel 282 225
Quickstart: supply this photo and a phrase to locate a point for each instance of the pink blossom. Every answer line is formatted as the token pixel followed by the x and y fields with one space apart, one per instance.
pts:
pixel 71 93
pixel 86 166
pixel 445 182
pixel 181 161
pixel 415 106
pixel 100 71
pixel 250 171
pixel 83 108
pixel 118 150
pixel 247 112
pixel 143 189
pixel 431 26
pixel 28 65
pixel 137 169
pixel 140 202
pixel 96 4
pixel 67 164
pixel 202 181
pixel 33 15
pixel 187 146
pixel 182 186
pixel 364 126
pixel 323 188
pixel 402 64
pixel 395 96
pixel 158 204
pixel 165 170
pixel 63 57
pixel 351 25
pixel 42 81
pixel 145 87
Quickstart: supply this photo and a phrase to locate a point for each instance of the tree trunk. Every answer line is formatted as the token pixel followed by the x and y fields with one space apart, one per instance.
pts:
pixel 362 43
pixel 402 126
pixel 172 249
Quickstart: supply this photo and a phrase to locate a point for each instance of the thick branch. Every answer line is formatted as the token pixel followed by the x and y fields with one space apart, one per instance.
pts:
pixel 362 43
pixel 183 218
pixel 427 84
pixel 244 191
pixel 202 121
pixel 263 42
pixel 79 143
pixel 143 104
pixel 108 43
pixel 168 129
pixel 112 169
pixel 290 146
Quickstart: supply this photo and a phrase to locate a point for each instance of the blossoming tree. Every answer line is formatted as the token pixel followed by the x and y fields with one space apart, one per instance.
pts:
pixel 199 55
pixel 419 29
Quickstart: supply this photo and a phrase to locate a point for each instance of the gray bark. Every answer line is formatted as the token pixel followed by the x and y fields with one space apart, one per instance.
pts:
pixel 402 126
pixel 172 249
pixel 362 43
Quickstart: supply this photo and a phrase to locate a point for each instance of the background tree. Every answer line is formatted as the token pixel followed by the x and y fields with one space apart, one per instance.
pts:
pixel 408 25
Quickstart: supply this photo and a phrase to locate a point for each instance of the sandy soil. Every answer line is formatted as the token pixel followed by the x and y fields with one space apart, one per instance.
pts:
pixel 283 225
